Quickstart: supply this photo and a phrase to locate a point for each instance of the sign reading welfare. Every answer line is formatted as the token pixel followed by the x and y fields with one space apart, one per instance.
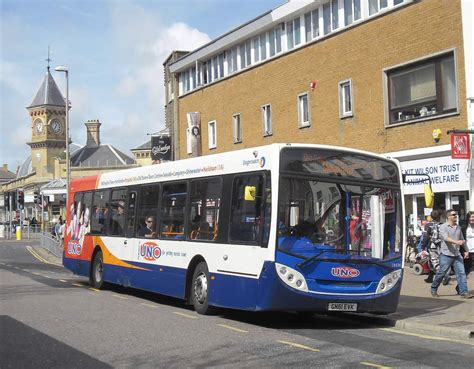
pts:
pixel 447 174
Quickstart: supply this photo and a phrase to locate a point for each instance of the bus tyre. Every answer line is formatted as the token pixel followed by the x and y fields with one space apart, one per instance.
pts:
pixel 200 289
pixel 97 272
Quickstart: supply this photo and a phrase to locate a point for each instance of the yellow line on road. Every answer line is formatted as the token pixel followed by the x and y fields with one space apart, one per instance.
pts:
pixel 39 257
pixel 297 345
pixel 149 305
pixel 94 289
pixel 428 337
pixel 120 297
pixel 185 315
pixel 375 365
pixel 232 328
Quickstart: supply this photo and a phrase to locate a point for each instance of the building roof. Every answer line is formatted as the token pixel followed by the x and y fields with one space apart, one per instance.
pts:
pixel 6 175
pixel 100 156
pixel 48 93
pixel 144 146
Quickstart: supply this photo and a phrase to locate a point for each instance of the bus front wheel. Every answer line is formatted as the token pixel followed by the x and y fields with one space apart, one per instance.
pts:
pixel 200 289
pixel 97 272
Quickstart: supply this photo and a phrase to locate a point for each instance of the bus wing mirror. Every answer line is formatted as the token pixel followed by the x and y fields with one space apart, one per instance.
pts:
pixel 429 195
pixel 250 193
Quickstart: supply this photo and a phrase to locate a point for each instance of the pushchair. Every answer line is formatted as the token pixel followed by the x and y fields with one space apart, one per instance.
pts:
pixel 410 255
pixel 422 263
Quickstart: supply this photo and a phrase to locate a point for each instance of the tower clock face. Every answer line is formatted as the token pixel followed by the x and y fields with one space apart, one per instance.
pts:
pixel 55 125
pixel 38 124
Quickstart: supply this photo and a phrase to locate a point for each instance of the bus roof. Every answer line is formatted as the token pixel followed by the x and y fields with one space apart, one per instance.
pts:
pixel 245 160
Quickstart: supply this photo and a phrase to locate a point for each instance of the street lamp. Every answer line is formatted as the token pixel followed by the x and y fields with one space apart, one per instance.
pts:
pixel 62 68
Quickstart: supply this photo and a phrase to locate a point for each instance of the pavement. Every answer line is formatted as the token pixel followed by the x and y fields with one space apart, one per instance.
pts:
pixel 446 317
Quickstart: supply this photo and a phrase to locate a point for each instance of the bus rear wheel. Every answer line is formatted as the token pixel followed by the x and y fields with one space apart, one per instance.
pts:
pixel 200 290
pixel 97 272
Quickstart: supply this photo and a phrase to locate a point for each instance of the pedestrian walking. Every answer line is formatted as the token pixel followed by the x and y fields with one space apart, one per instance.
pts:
pixel 432 244
pixel 452 240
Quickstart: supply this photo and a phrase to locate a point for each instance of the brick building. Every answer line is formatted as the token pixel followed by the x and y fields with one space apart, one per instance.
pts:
pixel 377 75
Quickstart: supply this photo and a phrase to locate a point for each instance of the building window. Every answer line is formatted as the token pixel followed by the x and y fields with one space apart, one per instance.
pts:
pixel 293 35
pixel 311 25
pixel 422 89
pixel 275 40
pixel 335 14
pixel 263 46
pixel 351 11
pixel 376 5
pixel 267 119
pixel 212 134
pixel 303 111
pixel 233 60
pixel 237 128
pixel 345 99
pixel 327 18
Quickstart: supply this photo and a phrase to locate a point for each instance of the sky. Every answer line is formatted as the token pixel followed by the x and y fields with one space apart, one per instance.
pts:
pixel 114 50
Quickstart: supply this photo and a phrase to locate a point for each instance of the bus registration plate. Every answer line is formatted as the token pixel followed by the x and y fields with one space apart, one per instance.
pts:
pixel 342 306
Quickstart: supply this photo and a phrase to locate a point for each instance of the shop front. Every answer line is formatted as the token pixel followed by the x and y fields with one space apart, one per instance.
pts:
pixel 450 180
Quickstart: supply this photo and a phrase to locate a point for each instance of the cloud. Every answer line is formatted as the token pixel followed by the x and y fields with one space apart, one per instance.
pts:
pixel 145 42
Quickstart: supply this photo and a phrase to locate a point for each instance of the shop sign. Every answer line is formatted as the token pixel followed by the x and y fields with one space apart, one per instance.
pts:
pixel 447 174
pixel 460 146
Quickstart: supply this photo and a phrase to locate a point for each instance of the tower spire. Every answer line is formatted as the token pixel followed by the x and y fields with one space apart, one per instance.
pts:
pixel 48 60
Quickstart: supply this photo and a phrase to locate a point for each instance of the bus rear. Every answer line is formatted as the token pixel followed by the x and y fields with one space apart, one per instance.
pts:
pixel 339 233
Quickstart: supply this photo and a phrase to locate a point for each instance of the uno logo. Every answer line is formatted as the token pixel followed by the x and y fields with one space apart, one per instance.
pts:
pixel 74 248
pixel 345 272
pixel 261 162
pixel 150 251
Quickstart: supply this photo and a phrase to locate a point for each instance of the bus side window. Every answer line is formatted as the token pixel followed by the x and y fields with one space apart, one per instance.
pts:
pixel 117 212
pixel 100 206
pixel 147 208
pixel 173 203
pixel 204 213
pixel 247 223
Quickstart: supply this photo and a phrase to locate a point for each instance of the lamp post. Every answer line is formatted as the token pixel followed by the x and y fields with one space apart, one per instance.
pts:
pixel 68 161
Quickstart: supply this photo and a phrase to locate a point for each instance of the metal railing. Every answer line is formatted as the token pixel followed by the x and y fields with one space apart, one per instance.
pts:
pixel 52 244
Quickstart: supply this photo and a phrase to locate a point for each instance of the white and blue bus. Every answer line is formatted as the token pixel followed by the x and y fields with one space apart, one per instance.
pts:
pixel 291 227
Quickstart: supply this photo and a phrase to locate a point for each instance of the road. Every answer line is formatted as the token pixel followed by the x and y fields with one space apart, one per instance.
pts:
pixel 52 319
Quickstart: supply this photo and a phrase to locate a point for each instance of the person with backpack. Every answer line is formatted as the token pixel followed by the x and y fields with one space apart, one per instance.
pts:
pixel 431 243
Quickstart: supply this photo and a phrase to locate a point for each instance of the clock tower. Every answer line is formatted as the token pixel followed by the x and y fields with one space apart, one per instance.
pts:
pixel 48 134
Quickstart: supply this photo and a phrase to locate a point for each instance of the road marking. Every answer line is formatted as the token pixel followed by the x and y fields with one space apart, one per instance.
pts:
pixel 120 297
pixel 185 315
pixel 94 289
pixel 297 345
pixel 149 305
pixel 232 328
pixel 375 365
pixel 62 280
pixel 39 257
pixel 428 337
pixel 78 285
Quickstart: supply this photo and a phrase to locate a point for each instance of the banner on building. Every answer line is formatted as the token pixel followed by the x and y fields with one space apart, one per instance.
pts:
pixel 460 146
pixel 160 148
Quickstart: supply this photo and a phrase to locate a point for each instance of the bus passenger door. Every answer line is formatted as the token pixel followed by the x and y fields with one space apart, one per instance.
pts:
pixel 130 244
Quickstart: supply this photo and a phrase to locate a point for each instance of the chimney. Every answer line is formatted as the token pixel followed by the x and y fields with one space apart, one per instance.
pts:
pixel 5 167
pixel 93 132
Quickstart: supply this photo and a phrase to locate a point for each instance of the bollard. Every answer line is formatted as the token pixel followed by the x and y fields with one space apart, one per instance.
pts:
pixel 18 233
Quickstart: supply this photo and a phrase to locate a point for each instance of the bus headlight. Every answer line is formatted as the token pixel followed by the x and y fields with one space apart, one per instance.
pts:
pixel 389 281
pixel 291 277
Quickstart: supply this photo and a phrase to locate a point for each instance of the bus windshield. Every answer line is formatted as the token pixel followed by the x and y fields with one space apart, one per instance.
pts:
pixel 331 217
